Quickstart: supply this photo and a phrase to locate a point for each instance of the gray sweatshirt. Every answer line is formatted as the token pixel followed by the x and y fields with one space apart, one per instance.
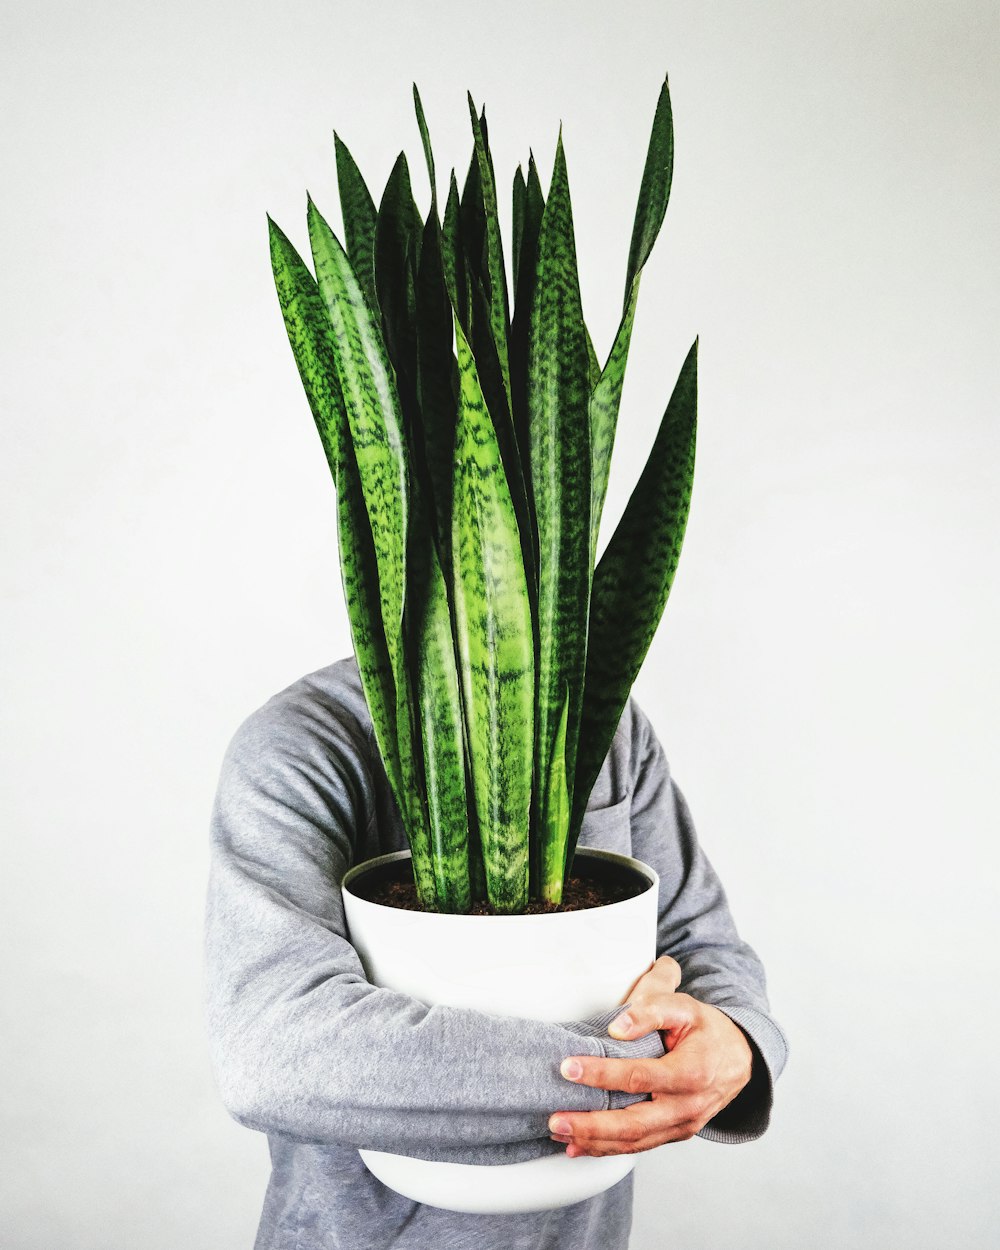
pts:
pixel 306 1050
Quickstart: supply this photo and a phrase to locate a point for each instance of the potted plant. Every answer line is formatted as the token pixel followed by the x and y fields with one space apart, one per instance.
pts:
pixel 470 448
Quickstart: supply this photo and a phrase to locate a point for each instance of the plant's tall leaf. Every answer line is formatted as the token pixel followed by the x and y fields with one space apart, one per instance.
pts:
pixel 439 295
pixel 528 206
pixel 496 649
pixel 520 330
pixel 425 139
pixel 397 238
pixel 519 196
pixel 473 238
pixel 437 374
pixel 633 580
pixel 490 329
pixel 453 256
pixel 558 391
pixel 437 383
pixel 372 404
pixel 654 190
pixel 358 210
pixel 605 402
pixel 441 715
pixel 491 379
pixel 472 221
pixel 496 278
pixel 311 336
pixel 593 372
pixel 554 851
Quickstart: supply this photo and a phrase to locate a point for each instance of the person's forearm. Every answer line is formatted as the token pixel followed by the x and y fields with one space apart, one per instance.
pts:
pixel 303 1045
pixel 696 928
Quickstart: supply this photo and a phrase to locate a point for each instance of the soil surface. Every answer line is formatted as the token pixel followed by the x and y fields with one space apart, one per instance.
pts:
pixel 578 893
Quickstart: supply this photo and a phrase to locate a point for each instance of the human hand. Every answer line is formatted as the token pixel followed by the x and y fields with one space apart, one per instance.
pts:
pixel 708 1062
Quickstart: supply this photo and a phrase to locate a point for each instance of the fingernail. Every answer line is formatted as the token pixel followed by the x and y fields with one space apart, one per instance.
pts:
pixel 621 1024
pixel 572 1069
pixel 561 1127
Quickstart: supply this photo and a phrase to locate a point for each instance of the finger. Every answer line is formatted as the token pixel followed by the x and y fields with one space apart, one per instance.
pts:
pixel 660 1118
pixel 634 1076
pixel 664 973
pixel 683 1071
pixel 654 1009
pixel 600 1149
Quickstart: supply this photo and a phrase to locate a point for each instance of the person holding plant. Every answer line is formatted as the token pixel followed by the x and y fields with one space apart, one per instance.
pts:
pixel 308 1052
pixel 484 721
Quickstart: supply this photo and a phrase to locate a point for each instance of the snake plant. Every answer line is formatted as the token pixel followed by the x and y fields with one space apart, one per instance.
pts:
pixel 469 446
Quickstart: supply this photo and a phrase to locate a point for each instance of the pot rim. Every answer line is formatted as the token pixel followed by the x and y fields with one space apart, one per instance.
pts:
pixel 623 861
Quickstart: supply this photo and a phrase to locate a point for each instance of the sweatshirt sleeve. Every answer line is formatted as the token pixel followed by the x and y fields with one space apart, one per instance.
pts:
pixel 695 927
pixel 302 1045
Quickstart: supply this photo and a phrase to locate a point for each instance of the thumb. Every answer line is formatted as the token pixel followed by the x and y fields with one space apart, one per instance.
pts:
pixel 664 1012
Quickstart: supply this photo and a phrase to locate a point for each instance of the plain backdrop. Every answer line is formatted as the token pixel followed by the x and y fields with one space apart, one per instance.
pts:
pixel 824 680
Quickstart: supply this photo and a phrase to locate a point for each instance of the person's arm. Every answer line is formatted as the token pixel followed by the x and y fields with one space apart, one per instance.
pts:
pixel 697 929
pixel 724 1051
pixel 302 1045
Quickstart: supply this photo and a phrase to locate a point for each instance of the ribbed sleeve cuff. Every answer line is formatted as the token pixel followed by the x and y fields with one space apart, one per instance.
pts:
pixel 748 1115
pixel 648 1047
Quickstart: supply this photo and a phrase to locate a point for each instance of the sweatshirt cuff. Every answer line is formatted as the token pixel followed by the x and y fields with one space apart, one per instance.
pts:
pixel 746 1118
pixel 648 1047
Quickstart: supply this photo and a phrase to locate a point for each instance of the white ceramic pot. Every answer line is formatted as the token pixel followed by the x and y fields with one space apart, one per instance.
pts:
pixel 563 966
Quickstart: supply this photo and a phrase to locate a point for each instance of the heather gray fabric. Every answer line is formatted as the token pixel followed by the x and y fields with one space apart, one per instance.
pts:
pixel 307 1051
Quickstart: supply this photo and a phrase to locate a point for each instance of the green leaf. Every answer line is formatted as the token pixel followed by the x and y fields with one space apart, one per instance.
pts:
pixel 554 851
pixel 358 209
pixel 520 330
pixel 654 190
pixel 496 653
pixel 370 398
pixel 594 368
pixel 558 390
pixel 605 402
pixel 425 139
pixel 472 221
pixel 633 580
pixel 369 390
pixel 487 286
pixel 311 337
pixel 453 256
pixel 437 384
pixel 519 196
pixel 496 278
pixel 437 379
pixel 397 247
pixel 514 461
pixel 520 333
pixel 441 718
pixel 392 719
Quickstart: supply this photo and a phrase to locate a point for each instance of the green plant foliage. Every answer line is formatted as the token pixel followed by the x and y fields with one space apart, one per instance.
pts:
pixel 468 429
pixel 559 428
pixel 495 643
pixel 633 579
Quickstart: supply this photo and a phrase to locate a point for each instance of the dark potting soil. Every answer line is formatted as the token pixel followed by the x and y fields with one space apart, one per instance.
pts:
pixel 578 894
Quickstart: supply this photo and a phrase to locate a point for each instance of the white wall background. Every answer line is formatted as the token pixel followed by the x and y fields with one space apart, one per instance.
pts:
pixel 825 678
